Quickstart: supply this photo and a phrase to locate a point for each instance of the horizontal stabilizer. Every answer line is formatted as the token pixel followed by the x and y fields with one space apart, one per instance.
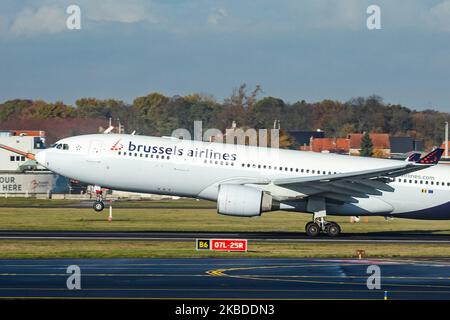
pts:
pixel 413 157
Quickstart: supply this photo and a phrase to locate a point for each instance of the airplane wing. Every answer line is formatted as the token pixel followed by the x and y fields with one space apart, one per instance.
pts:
pixel 344 186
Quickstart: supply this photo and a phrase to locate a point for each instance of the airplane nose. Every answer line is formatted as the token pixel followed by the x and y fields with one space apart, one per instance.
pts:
pixel 40 158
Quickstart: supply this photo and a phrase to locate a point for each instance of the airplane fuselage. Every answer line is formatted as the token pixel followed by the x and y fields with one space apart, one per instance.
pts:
pixel 196 169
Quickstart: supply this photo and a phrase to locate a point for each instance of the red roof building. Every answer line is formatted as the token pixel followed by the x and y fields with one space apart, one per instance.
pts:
pixel 333 145
pixel 379 140
pixel 350 145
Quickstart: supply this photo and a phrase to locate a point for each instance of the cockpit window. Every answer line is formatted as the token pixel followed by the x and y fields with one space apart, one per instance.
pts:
pixel 63 146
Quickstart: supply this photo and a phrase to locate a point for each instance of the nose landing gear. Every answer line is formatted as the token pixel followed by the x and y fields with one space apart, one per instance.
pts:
pixel 98 204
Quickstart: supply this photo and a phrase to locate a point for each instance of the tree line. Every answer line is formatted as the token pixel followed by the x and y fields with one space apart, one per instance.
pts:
pixel 157 114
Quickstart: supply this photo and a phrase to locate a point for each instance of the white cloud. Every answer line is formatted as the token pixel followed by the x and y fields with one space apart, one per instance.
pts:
pixel 51 16
pixel 327 14
pixel 438 17
pixel 3 25
pixel 216 16
pixel 117 11
pixel 47 19
pixel 251 17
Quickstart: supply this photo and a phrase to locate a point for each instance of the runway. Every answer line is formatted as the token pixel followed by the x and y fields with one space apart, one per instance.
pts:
pixel 225 279
pixel 373 237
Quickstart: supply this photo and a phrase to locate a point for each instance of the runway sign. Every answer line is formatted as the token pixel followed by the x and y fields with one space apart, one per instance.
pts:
pixel 222 244
pixel 203 244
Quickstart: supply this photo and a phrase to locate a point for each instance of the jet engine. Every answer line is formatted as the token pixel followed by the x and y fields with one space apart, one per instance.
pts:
pixel 242 201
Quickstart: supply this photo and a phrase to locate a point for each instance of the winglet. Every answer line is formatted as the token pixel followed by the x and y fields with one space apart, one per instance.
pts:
pixel 22 153
pixel 432 158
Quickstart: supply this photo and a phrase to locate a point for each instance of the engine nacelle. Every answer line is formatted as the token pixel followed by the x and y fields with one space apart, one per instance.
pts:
pixel 237 200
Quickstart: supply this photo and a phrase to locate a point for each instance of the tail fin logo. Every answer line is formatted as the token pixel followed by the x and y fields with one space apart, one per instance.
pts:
pixel 433 157
pixel 116 146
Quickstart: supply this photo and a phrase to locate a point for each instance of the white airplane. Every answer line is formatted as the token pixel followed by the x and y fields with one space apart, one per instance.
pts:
pixel 246 181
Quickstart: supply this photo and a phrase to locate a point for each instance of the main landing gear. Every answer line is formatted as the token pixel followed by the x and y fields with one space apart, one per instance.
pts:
pixel 319 224
pixel 98 204
pixel 314 228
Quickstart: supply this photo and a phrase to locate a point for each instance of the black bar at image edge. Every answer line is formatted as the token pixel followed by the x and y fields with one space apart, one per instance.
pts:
pixel 216 309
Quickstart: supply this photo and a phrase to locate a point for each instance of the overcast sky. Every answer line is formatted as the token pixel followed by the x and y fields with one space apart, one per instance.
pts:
pixel 310 49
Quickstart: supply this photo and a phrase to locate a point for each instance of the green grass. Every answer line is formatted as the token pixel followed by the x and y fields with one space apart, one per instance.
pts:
pixel 173 218
pixel 177 219
pixel 13 202
pixel 28 249
pixel 33 202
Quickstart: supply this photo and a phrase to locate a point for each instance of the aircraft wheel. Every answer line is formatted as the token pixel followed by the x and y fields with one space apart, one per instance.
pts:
pixel 333 229
pixel 99 206
pixel 312 229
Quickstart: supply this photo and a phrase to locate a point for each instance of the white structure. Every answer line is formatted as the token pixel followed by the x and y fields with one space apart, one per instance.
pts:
pixel 21 176
pixel 24 140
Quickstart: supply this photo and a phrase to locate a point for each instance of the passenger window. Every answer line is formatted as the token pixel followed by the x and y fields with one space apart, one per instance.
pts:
pixel 65 146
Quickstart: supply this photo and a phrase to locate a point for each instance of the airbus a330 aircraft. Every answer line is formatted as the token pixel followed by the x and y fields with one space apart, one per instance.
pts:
pixel 246 181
